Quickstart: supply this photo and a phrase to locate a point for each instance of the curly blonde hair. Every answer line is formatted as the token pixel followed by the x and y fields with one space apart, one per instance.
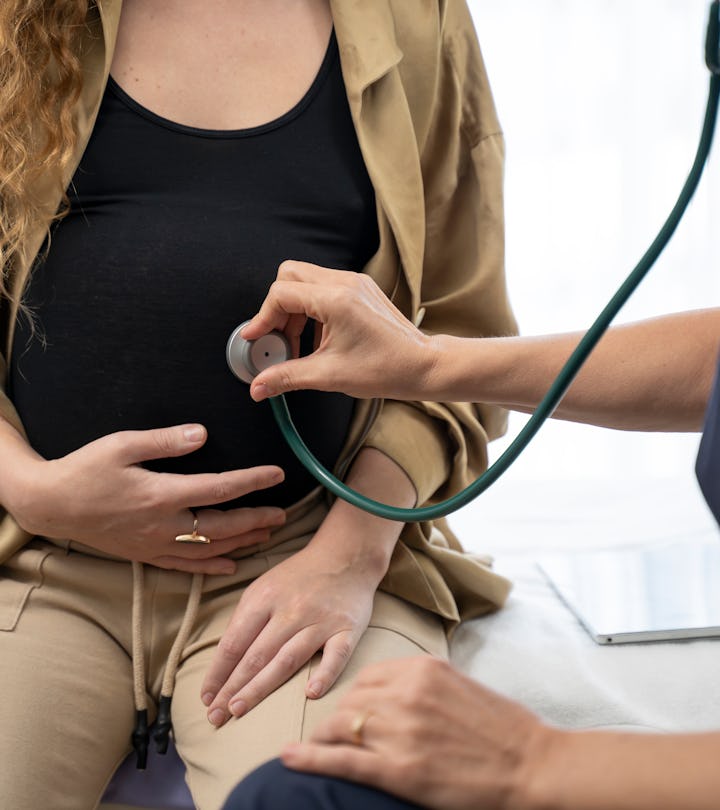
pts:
pixel 40 82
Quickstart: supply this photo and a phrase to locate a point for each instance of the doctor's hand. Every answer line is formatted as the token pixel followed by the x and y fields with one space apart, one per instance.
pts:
pixel 101 496
pixel 365 346
pixel 430 735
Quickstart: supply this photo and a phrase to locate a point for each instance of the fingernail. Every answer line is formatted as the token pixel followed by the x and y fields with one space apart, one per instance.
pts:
pixel 228 568
pixel 277 476
pixel 260 391
pixel 194 433
pixel 314 689
pixel 217 717
pixel 207 698
pixel 290 750
pixel 238 708
pixel 278 518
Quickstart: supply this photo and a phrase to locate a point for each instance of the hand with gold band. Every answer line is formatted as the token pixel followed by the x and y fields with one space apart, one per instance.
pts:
pixel 101 496
pixel 421 730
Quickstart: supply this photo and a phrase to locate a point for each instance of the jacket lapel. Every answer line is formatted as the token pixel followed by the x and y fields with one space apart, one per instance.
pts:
pixel 370 56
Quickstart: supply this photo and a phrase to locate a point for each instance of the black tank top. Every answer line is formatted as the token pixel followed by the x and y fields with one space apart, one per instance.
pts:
pixel 173 238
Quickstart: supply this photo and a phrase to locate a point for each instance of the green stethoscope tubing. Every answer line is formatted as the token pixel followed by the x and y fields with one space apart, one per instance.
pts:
pixel 567 373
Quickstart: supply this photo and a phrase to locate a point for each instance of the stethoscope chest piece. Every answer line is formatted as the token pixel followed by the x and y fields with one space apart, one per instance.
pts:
pixel 247 358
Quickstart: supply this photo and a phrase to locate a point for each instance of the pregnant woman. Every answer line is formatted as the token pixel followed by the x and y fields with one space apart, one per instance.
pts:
pixel 160 546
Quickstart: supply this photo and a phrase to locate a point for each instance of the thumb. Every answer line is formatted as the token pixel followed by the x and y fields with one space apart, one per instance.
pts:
pixel 167 442
pixel 291 375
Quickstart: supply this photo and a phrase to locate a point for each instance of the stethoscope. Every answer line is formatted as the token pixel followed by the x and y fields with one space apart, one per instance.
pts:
pixel 248 358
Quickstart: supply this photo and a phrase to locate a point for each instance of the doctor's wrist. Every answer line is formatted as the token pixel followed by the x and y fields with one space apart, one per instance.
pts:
pixel 541 769
pixel 450 370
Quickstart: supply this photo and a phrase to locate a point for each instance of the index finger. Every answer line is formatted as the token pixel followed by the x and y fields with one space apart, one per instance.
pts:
pixel 343 761
pixel 298 290
pixel 206 489
pixel 287 306
pixel 233 645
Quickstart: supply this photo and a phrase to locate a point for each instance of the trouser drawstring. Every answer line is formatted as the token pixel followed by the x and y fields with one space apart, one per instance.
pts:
pixel 140 732
pixel 163 723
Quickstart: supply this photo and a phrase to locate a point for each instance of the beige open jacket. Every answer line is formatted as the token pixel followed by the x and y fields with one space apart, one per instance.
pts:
pixel 433 148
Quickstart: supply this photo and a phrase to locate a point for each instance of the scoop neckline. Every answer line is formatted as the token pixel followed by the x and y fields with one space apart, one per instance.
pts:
pixel 201 132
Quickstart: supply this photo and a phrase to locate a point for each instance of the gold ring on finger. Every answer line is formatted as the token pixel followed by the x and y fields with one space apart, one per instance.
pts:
pixel 358 726
pixel 194 536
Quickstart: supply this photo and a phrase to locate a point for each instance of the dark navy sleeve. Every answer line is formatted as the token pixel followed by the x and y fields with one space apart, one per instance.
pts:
pixel 275 787
pixel 707 466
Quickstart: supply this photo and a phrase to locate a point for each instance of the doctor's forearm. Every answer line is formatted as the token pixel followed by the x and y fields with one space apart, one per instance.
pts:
pixel 597 770
pixel 651 375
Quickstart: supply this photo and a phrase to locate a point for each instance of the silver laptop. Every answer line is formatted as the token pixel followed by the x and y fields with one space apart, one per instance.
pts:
pixel 656 593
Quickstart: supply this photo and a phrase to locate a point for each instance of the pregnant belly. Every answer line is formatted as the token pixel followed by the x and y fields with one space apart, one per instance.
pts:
pixel 99 374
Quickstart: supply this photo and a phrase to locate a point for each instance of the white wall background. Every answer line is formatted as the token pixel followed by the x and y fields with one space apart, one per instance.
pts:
pixel 601 102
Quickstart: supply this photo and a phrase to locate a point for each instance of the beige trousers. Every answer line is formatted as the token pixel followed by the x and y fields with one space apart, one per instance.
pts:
pixel 66 706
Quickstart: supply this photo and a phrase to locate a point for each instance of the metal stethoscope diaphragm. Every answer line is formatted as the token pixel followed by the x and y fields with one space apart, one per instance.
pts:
pixel 247 358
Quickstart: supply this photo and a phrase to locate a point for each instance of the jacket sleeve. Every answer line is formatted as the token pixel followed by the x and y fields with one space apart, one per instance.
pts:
pixel 12 537
pixel 443 446
pixel 7 409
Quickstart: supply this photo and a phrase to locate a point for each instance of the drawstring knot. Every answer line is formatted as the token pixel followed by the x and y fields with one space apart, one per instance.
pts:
pixel 140 739
pixel 163 724
pixel 162 728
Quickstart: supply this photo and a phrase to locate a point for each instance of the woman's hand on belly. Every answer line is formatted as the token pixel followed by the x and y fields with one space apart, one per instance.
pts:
pixel 321 598
pixel 101 496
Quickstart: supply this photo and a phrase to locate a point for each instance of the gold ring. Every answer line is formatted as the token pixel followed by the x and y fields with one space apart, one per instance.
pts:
pixel 357 727
pixel 193 537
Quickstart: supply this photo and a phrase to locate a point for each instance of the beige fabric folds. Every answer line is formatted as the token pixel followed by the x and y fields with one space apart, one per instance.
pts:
pixel 68 611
